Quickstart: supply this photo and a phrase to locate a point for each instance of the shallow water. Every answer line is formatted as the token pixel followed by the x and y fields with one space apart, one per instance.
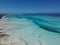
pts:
pixel 34 30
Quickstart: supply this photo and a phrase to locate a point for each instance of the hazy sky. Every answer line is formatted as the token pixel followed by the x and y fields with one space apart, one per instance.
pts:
pixel 29 6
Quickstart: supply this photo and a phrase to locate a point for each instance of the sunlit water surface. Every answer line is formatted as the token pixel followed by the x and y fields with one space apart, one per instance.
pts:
pixel 34 30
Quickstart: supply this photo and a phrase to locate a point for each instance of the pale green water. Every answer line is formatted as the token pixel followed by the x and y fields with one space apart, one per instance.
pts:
pixel 35 30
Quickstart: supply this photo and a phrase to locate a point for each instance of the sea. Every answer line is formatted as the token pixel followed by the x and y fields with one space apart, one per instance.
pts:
pixel 34 29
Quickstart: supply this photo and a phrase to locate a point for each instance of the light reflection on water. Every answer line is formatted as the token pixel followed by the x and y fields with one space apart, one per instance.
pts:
pixel 35 30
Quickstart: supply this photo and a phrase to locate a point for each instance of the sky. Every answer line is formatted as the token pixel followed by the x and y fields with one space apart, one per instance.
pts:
pixel 29 6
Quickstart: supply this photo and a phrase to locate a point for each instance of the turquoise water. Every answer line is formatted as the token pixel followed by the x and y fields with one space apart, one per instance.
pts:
pixel 35 29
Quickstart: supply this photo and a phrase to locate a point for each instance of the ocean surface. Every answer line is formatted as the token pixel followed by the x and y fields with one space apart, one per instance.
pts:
pixel 34 29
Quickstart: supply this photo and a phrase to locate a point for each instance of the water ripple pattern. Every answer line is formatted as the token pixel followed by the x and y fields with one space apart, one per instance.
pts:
pixel 34 30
